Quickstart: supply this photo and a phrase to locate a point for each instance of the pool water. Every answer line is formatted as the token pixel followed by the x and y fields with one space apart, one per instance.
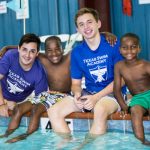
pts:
pixel 48 140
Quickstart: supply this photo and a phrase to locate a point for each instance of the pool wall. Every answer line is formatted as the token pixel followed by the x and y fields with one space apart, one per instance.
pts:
pixel 82 124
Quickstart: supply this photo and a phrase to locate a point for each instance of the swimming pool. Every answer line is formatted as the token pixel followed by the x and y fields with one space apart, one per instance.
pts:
pixel 119 137
pixel 48 140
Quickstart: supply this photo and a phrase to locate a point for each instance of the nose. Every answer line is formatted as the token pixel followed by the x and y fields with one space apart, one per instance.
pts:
pixel 130 49
pixel 28 54
pixel 86 25
pixel 54 53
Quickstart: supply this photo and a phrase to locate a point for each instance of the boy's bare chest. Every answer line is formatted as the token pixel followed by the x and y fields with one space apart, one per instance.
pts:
pixel 133 74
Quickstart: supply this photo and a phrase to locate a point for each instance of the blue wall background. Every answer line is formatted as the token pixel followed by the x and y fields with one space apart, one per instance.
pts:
pixel 46 17
pixel 138 23
pixel 57 16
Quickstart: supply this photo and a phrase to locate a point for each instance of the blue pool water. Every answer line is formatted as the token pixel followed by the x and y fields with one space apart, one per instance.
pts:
pixel 48 140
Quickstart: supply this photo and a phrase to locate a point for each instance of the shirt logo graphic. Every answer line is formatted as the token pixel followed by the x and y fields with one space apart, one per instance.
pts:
pixel 14 88
pixel 99 74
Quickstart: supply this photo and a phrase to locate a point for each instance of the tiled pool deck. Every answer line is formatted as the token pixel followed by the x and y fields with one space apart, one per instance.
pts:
pixel 84 124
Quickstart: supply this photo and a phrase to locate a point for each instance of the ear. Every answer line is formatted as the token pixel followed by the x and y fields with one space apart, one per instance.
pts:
pixel 62 50
pixel 77 30
pixel 139 49
pixel 99 24
pixel 18 48
pixel 37 54
pixel 120 50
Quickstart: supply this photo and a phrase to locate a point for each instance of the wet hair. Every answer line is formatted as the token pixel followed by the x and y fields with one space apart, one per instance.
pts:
pixel 132 35
pixel 83 11
pixel 55 39
pixel 28 38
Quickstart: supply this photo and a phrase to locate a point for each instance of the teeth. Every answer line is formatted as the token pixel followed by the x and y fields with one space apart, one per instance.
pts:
pixel 129 55
pixel 55 57
pixel 88 31
pixel 27 59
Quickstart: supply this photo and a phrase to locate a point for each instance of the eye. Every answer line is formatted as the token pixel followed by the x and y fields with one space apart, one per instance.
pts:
pixel 24 49
pixel 134 46
pixel 58 49
pixel 48 50
pixel 33 51
pixel 89 22
pixel 124 47
pixel 81 25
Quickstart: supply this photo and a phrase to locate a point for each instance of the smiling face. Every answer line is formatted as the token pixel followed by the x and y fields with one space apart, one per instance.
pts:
pixel 27 55
pixel 88 26
pixel 54 51
pixel 129 48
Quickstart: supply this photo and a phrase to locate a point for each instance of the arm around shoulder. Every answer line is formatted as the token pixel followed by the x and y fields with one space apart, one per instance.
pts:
pixel 6 48
pixel 111 38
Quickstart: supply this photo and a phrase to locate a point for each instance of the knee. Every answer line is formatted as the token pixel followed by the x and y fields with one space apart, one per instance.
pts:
pixel 37 111
pixel 17 111
pixel 34 111
pixel 53 113
pixel 136 112
pixel 101 113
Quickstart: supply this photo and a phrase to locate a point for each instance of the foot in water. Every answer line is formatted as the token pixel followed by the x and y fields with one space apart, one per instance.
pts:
pixel 146 142
pixel 17 138
pixel 7 133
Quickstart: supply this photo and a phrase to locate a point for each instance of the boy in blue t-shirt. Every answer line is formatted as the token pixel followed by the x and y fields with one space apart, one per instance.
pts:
pixel 21 74
pixel 93 59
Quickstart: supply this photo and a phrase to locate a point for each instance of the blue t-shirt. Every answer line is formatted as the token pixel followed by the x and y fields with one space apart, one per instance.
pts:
pixel 17 83
pixel 96 66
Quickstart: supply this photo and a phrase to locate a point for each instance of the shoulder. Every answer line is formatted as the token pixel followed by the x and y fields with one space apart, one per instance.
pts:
pixel 11 52
pixel 38 65
pixel 67 57
pixel 145 63
pixel 105 44
pixel 80 48
pixel 10 55
pixel 144 66
pixel 120 64
pixel 42 56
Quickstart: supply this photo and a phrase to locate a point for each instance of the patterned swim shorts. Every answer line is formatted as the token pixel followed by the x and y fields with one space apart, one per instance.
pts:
pixel 48 98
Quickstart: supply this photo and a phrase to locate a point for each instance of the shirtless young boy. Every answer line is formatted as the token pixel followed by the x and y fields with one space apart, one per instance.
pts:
pixel 136 74
pixel 57 67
